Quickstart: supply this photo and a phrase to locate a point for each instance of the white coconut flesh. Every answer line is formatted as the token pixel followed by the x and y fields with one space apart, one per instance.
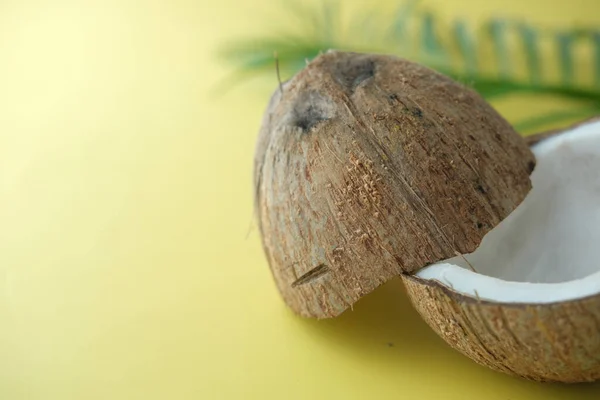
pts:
pixel 548 249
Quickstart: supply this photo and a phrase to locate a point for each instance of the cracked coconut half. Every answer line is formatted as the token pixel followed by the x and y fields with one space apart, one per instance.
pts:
pixel 369 166
pixel 533 307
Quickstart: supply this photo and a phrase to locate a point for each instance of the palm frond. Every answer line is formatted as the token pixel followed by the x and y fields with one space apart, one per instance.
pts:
pixel 565 42
pixel 550 119
pixel 467 47
pixel 451 47
pixel 596 43
pixel 498 32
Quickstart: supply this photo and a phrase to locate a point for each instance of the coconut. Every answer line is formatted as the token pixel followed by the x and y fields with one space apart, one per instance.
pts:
pixel 532 309
pixel 370 166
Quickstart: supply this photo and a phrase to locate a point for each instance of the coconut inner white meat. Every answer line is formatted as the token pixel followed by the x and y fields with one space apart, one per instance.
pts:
pixel 548 249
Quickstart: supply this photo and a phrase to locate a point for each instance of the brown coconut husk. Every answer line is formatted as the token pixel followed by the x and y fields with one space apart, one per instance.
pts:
pixel 369 166
pixel 555 342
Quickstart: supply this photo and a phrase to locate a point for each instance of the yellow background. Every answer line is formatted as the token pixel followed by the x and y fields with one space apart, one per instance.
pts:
pixel 125 201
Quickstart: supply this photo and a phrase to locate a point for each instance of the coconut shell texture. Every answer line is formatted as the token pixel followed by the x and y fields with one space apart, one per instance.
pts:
pixel 368 166
pixel 557 342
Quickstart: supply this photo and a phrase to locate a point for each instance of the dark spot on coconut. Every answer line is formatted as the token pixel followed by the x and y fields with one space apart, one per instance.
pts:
pixel 309 118
pixel 310 109
pixel 479 225
pixel 351 72
pixel 481 189
pixel 393 99
pixel 417 112
pixel 531 166
pixel 472 137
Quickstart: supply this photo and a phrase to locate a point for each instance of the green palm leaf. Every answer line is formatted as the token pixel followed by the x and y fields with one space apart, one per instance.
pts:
pixel 450 47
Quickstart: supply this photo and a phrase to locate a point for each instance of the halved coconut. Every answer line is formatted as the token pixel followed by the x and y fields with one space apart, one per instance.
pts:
pixel 368 166
pixel 532 309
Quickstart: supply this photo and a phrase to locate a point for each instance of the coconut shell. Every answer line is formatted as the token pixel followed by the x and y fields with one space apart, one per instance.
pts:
pixel 368 166
pixel 558 342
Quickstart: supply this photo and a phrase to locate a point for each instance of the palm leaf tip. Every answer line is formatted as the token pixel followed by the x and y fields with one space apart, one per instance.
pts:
pixel 415 33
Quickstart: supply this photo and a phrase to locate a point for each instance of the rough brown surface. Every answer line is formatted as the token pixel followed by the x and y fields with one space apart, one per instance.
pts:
pixel 552 342
pixel 367 166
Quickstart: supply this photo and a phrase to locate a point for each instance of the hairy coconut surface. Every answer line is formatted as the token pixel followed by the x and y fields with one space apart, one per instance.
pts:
pixel 533 307
pixel 368 166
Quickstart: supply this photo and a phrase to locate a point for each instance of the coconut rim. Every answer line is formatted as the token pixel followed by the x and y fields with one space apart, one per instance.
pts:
pixel 587 128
